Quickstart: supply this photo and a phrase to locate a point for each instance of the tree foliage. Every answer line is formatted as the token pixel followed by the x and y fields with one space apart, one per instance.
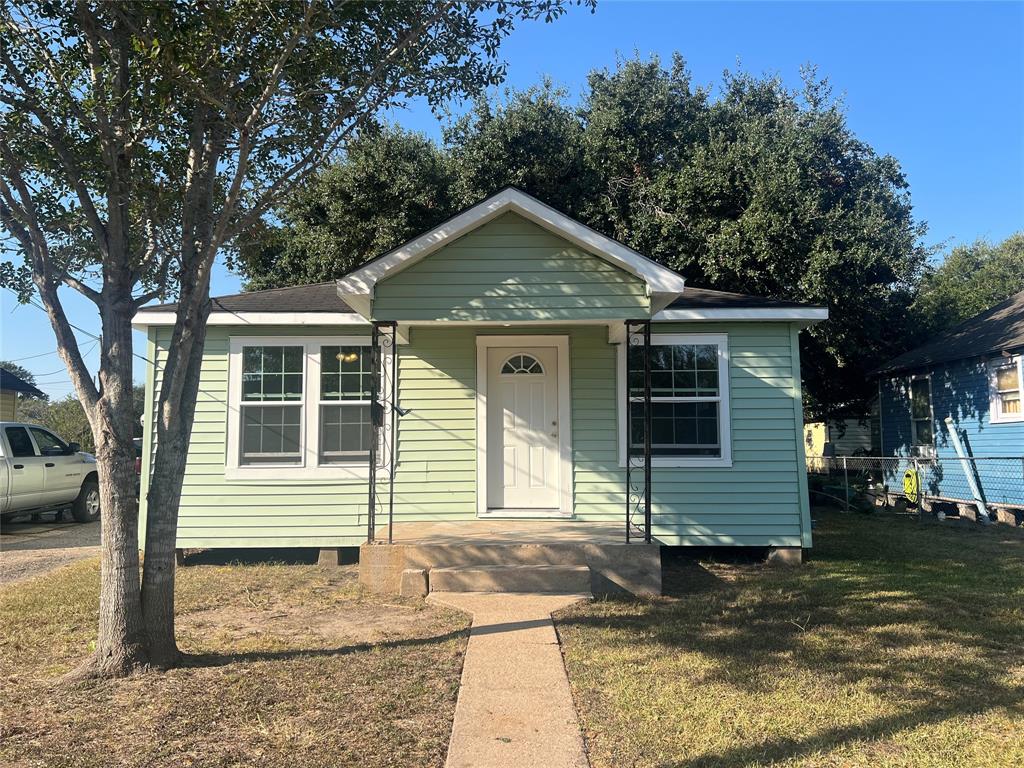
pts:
pixel 68 420
pixel 392 183
pixel 969 280
pixel 755 188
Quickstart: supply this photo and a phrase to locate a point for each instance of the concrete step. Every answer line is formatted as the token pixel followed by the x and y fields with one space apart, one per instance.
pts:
pixel 551 579
pixel 469 553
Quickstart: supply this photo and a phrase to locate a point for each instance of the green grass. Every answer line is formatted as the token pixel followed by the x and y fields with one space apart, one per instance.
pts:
pixel 289 666
pixel 898 644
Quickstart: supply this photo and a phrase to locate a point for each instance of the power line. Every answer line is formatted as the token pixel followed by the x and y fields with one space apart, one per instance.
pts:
pixel 90 334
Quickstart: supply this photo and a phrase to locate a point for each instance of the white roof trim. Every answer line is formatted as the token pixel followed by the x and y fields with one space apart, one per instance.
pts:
pixel 144 318
pixel 664 284
pixel 814 314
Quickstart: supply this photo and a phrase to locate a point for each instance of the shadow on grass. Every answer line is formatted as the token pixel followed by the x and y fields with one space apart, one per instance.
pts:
pixel 928 617
pixel 245 657
pixel 788 749
pixel 265 556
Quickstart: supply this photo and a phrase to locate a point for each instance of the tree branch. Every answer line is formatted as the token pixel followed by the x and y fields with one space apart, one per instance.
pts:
pixel 61 146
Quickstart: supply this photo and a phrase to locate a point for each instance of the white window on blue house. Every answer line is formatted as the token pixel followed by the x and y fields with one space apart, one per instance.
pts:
pixel 298 407
pixel 921 417
pixel 689 400
pixel 1005 378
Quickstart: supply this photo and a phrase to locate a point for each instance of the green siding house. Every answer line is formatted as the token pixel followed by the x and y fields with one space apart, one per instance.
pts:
pixel 503 382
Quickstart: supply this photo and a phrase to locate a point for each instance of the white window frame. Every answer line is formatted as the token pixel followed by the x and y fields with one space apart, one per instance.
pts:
pixel 996 415
pixel 310 467
pixel 920 449
pixel 721 340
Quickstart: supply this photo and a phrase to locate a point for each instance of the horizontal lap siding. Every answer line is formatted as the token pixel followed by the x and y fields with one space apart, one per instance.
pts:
pixel 959 390
pixel 216 512
pixel 510 269
pixel 436 476
pixel 756 502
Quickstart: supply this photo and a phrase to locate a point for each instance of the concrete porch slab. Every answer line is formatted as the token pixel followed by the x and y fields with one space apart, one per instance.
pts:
pixel 505 532
pixel 615 566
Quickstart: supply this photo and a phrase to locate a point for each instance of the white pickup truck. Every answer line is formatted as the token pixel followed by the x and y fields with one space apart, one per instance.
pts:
pixel 40 472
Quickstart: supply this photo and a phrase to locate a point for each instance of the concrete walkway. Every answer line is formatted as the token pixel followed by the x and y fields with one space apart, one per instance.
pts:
pixel 514 706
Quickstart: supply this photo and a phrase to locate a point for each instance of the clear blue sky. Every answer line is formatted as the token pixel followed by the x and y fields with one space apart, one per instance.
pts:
pixel 938 85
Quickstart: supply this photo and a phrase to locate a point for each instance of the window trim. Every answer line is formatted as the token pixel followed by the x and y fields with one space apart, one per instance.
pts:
pixel 996 416
pixel 921 449
pixel 721 340
pixel 310 467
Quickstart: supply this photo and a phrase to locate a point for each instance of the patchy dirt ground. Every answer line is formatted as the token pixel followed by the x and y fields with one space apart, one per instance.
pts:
pixel 31 548
pixel 265 617
pixel 288 665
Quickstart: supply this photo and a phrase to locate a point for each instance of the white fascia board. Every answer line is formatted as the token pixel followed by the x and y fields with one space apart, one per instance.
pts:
pixel 659 279
pixel 809 314
pixel 145 319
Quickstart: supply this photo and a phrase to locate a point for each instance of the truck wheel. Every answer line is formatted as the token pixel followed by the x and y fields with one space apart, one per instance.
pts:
pixel 87 506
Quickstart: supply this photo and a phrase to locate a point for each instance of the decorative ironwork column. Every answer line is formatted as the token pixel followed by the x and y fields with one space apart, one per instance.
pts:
pixel 638 414
pixel 383 399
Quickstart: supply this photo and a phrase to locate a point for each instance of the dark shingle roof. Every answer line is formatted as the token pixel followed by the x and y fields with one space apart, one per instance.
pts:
pixel 318 297
pixel 988 333
pixel 323 297
pixel 704 298
pixel 11 383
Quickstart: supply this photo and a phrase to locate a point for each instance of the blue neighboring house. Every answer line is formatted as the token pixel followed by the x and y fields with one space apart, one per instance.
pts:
pixel 973 374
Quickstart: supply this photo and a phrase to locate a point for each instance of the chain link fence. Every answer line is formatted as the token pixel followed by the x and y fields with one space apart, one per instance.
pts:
pixel 940 485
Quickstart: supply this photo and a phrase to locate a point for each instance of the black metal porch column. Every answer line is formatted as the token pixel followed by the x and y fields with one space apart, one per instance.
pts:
pixel 638 456
pixel 383 394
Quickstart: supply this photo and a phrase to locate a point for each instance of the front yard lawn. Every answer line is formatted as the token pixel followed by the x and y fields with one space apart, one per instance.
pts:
pixel 292 666
pixel 898 644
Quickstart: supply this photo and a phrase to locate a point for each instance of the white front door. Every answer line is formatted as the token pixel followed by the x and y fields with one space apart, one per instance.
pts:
pixel 522 429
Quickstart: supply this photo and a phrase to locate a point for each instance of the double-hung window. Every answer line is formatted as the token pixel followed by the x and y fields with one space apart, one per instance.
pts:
pixel 922 430
pixel 299 407
pixel 1006 376
pixel 689 400
pixel 272 401
pixel 345 392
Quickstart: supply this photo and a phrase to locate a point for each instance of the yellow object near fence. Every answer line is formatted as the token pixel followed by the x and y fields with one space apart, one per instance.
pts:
pixel 912 486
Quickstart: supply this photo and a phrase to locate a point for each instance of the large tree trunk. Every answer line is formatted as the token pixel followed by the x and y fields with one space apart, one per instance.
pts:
pixel 121 645
pixel 173 431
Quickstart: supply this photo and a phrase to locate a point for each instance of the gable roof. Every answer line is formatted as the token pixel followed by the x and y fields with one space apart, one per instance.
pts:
pixel 11 383
pixel 665 285
pixel 998 329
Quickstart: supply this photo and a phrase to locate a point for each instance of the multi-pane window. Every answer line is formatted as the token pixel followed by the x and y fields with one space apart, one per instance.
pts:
pixel 302 404
pixel 687 399
pixel 345 392
pixel 1006 378
pixel 271 407
pixel 922 430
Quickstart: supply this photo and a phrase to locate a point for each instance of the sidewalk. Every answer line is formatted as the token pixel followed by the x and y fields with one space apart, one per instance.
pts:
pixel 514 707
